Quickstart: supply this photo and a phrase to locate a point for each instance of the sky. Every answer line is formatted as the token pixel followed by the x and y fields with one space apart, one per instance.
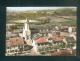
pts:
pixel 33 8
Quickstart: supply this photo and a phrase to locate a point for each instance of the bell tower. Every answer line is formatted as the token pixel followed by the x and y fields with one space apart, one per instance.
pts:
pixel 26 30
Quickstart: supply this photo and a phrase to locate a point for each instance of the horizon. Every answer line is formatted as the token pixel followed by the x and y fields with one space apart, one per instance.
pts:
pixel 34 8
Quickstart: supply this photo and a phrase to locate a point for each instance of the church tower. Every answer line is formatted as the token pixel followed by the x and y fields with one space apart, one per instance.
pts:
pixel 26 30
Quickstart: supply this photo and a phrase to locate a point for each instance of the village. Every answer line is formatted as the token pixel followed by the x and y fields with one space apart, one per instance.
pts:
pixel 54 40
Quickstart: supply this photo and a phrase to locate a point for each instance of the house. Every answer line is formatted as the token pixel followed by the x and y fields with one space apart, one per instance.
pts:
pixel 16 46
pixel 62 52
pixel 43 45
pixel 58 40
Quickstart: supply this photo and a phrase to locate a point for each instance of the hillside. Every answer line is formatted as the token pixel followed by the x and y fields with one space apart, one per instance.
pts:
pixel 43 18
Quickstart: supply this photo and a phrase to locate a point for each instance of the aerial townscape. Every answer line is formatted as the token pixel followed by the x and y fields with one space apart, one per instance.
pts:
pixel 41 32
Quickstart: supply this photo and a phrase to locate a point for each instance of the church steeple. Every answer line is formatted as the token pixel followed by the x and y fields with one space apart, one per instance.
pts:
pixel 26 30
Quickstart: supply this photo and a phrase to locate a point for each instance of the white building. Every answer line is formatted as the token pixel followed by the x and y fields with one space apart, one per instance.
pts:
pixel 26 31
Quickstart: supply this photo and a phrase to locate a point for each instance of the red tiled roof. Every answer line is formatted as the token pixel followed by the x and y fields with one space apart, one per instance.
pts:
pixel 55 53
pixel 15 41
pixel 57 38
pixel 41 40
pixel 61 53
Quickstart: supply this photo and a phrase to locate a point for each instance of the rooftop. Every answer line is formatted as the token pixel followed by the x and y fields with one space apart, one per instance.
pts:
pixel 15 41
pixel 41 40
